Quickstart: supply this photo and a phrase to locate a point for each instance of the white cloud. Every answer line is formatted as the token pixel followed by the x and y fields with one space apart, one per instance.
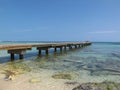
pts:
pixel 104 32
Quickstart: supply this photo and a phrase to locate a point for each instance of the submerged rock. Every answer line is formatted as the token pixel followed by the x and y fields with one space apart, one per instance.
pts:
pixel 98 65
pixel 62 76
pixel 90 65
pixel 91 59
pixel 35 80
pixel 10 75
pixel 80 66
pixel 98 86
pixel 116 55
pixel 83 87
pixel 71 83
pixel 11 70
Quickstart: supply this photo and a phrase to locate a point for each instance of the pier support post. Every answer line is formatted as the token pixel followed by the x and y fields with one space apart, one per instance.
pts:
pixel 75 46
pixel 43 48
pixel 39 51
pixel 65 48
pixel 12 56
pixel 82 45
pixel 46 51
pixel 21 56
pixel 61 49
pixel 55 49
pixel 20 52
pixel 70 47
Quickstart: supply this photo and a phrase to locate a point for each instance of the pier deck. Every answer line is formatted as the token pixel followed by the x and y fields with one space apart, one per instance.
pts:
pixel 21 48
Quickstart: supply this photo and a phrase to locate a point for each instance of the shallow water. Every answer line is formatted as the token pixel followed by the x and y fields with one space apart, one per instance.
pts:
pixel 95 63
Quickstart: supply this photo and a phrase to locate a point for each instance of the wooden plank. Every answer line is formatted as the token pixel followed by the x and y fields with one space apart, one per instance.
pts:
pixel 42 48
pixel 18 51
pixel 11 47
pixel 59 45
pixel 48 45
pixel 41 45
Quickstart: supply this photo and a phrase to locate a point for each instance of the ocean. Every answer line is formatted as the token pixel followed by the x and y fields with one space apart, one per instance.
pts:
pixel 94 63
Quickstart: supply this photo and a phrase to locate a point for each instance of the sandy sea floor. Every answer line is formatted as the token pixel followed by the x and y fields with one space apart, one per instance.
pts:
pixel 46 82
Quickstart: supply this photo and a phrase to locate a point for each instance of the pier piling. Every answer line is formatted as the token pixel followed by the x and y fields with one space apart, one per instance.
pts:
pixel 60 49
pixel 21 56
pixel 55 50
pixel 20 49
pixel 12 56
pixel 47 51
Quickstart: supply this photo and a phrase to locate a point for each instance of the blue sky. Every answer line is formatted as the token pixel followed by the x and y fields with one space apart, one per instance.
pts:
pixel 60 20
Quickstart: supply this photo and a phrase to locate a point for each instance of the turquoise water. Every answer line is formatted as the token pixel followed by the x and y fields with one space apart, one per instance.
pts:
pixel 97 62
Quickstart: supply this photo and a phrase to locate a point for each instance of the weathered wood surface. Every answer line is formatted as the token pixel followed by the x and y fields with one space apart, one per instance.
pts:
pixel 47 45
pixel 15 46
pixel 21 48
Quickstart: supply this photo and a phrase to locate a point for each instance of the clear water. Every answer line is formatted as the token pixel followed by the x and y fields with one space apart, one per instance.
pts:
pixel 95 63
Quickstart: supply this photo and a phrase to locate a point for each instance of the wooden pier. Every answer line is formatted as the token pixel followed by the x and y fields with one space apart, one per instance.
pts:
pixel 21 49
